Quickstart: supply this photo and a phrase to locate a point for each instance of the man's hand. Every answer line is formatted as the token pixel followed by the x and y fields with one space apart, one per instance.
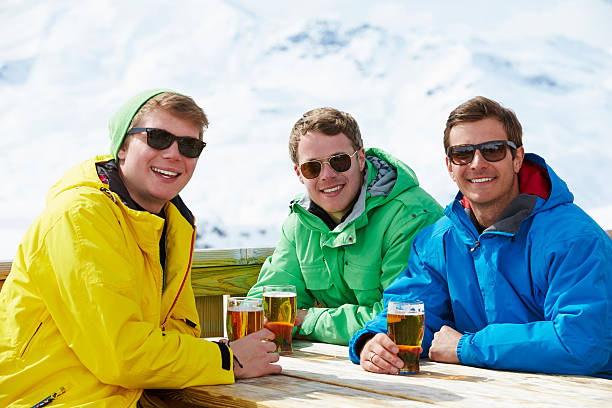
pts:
pixel 255 354
pixel 379 355
pixel 300 316
pixel 444 346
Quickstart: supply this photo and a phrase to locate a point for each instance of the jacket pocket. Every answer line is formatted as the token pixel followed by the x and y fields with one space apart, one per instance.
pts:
pixel 32 336
pixel 362 277
pixel 316 277
pixel 183 323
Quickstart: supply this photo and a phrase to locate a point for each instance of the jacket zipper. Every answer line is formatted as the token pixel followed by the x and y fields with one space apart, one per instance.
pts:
pixel 184 278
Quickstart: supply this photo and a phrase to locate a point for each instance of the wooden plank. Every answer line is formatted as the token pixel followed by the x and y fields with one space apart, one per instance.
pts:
pixel 203 258
pixel 449 384
pixel 319 374
pixel 278 391
pixel 210 312
pixel 5 268
pixel 214 271
pixel 224 280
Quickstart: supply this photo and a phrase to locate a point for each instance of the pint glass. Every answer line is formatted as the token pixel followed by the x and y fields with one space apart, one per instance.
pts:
pixel 244 316
pixel 279 304
pixel 405 326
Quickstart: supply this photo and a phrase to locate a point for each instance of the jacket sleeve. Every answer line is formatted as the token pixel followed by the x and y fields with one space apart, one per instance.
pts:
pixel 283 268
pixel 575 334
pixel 95 299
pixel 421 280
pixel 338 325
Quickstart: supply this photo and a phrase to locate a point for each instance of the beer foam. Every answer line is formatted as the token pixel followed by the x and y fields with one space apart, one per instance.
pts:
pixel 280 294
pixel 405 312
pixel 406 309
pixel 245 308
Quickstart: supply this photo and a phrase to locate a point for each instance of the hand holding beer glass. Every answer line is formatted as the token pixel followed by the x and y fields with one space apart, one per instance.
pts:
pixel 279 304
pixel 405 326
pixel 244 316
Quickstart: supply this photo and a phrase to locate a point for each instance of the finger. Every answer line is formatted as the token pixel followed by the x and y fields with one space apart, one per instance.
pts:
pixel 382 341
pixel 272 358
pixel 387 360
pixel 274 369
pixel 378 365
pixel 388 344
pixel 387 350
pixel 267 346
pixel 266 369
pixel 263 334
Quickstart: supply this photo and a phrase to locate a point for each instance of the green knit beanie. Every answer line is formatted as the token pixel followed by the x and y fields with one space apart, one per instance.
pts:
pixel 120 122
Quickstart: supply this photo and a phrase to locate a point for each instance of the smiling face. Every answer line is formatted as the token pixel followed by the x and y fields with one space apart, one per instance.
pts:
pixel 153 177
pixel 334 192
pixel 488 186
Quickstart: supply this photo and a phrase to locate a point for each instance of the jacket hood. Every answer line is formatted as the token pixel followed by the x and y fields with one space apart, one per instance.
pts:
pixel 81 175
pixel 540 189
pixel 120 121
pixel 386 182
pixel 87 174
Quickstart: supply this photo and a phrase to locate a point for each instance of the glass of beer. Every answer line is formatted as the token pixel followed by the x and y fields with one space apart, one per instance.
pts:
pixel 244 316
pixel 279 304
pixel 405 326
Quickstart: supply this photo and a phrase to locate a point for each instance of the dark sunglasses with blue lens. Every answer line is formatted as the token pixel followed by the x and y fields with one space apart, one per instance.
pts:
pixel 161 139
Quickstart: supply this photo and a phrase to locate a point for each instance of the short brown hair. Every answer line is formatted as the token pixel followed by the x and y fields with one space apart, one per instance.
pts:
pixel 480 108
pixel 328 121
pixel 181 106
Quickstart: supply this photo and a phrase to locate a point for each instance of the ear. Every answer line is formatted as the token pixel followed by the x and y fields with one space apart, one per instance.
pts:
pixel 449 167
pixel 121 153
pixel 361 159
pixel 298 173
pixel 517 162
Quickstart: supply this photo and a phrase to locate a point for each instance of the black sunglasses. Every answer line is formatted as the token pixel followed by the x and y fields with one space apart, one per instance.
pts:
pixel 492 151
pixel 338 162
pixel 161 139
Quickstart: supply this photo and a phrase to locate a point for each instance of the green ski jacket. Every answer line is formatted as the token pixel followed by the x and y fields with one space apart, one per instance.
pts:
pixel 340 274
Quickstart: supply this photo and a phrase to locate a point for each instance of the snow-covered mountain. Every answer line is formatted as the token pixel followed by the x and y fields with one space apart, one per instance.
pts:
pixel 399 67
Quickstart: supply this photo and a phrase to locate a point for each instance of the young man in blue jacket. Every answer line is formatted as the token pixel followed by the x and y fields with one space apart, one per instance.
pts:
pixel 515 276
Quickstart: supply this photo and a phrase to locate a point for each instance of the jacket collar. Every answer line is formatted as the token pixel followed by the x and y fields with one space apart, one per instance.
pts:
pixel 108 172
pixel 539 188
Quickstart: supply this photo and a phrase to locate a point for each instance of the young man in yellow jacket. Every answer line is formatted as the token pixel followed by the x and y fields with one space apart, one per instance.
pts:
pixel 98 304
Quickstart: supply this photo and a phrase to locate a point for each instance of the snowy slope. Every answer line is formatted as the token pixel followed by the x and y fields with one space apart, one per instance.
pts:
pixel 399 67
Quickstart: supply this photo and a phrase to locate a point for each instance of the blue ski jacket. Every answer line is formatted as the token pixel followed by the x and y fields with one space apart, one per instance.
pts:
pixel 533 292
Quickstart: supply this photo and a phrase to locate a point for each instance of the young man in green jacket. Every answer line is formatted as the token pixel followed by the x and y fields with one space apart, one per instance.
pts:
pixel 349 237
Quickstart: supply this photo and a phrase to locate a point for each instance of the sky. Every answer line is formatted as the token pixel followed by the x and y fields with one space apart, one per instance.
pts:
pixel 398 67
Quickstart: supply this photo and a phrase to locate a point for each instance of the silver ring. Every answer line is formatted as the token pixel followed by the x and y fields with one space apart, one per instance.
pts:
pixel 372 354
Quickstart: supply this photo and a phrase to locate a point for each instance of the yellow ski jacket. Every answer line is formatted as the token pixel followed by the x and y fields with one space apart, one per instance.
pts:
pixel 83 313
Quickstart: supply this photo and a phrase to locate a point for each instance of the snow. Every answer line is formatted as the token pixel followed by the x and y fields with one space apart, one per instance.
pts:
pixel 398 67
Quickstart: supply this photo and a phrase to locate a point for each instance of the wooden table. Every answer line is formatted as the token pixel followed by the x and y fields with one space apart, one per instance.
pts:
pixel 321 375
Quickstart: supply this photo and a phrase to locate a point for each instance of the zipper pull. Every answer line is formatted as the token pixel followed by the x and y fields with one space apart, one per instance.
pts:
pixel 476 245
pixel 50 398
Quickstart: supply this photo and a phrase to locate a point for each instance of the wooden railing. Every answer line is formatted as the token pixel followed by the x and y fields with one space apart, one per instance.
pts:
pixel 218 272
pixel 214 273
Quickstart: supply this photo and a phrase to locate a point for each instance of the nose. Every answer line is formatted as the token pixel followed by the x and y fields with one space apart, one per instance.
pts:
pixel 326 171
pixel 478 160
pixel 172 151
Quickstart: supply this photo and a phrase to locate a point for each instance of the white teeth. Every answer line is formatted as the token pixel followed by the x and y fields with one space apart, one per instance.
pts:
pixel 164 172
pixel 481 180
pixel 331 190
